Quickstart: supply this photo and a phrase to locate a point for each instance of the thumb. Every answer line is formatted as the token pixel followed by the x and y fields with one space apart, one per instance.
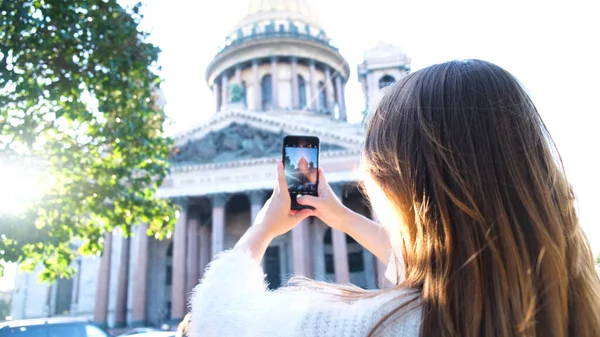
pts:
pixel 302 214
pixel 308 200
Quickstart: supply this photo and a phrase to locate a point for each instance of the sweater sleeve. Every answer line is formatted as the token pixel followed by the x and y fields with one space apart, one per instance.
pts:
pixel 233 300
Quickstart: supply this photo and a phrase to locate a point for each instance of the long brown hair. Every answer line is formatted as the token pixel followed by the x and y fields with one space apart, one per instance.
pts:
pixel 490 233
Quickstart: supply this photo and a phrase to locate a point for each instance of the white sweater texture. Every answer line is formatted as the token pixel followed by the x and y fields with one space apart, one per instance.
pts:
pixel 232 299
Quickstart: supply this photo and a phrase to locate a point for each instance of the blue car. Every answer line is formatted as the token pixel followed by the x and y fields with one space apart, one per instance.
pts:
pixel 52 327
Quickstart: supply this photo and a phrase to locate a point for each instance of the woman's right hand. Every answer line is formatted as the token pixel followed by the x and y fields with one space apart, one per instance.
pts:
pixel 327 206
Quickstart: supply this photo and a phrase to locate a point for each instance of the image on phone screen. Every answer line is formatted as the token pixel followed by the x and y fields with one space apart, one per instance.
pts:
pixel 301 164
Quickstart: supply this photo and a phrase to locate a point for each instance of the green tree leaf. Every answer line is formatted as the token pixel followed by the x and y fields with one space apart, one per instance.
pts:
pixel 77 97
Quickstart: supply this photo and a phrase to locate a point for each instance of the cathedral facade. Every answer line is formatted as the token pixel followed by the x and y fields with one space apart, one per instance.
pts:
pixel 277 74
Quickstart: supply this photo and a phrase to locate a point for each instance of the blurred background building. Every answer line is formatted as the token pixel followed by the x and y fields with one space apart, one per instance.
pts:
pixel 277 74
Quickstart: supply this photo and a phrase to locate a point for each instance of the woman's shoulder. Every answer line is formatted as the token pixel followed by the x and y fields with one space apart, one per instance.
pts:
pixel 336 310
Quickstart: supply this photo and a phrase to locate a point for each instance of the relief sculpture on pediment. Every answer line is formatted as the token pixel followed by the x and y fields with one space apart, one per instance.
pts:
pixel 235 142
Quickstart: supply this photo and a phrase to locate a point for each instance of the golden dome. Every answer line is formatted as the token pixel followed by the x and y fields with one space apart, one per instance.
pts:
pixel 266 10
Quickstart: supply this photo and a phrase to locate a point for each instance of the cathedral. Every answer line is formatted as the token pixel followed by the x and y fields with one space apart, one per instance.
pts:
pixel 277 74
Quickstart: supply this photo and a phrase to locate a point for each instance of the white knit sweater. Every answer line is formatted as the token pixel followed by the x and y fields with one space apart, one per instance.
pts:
pixel 233 300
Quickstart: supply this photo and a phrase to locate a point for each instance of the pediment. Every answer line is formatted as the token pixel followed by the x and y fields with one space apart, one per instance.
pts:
pixel 236 141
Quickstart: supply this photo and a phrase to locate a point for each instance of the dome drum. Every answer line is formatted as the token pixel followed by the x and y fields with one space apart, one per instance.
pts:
pixel 278 47
pixel 286 83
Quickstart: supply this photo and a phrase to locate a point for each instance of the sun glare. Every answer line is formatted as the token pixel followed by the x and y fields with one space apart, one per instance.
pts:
pixel 19 186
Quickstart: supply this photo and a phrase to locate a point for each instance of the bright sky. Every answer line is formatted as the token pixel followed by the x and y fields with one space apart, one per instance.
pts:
pixel 551 46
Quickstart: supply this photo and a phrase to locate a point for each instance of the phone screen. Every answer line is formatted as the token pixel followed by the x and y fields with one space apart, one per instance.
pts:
pixel 301 165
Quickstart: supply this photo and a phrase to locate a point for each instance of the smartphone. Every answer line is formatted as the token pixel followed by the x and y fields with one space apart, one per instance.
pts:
pixel 301 165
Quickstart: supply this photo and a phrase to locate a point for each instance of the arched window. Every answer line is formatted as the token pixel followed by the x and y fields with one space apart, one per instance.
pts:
pixel 385 81
pixel 322 97
pixel 301 92
pixel 266 90
pixel 244 94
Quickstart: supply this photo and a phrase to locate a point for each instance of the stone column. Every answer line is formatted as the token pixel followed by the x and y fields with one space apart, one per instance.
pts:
pixel 340 95
pixel 295 87
pixel 238 74
pixel 274 82
pixel 314 90
pixel 218 222
pixel 257 201
pixel 340 249
pixel 102 287
pixel 216 94
pixel 256 84
pixel 224 89
pixel 123 285
pixel 48 307
pixel 205 249
pixel 178 290
pixel 363 83
pixel 302 249
pixel 77 287
pixel 318 232
pixel 193 260
pixel 138 313
pixel 343 115
pixel 328 89
pixel 370 274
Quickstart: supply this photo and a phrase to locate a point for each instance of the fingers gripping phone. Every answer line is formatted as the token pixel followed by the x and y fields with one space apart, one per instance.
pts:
pixel 301 166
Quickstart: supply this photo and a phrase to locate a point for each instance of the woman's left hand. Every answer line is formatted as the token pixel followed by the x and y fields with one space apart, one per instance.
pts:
pixel 276 217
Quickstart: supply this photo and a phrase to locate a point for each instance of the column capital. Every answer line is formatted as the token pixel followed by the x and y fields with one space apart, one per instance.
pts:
pixel 312 62
pixel 219 200
pixel 273 58
pixel 238 67
pixel 255 62
pixel 257 197
pixel 181 201
pixel 294 59
pixel 338 77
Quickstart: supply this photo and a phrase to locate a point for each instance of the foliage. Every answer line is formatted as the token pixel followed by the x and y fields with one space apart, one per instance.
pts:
pixel 77 97
pixel 236 93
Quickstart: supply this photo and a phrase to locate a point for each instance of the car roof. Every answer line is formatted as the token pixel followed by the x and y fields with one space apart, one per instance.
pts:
pixel 42 321
pixel 157 334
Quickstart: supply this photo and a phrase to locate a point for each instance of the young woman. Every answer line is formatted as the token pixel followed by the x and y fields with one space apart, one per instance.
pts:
pixel 470 190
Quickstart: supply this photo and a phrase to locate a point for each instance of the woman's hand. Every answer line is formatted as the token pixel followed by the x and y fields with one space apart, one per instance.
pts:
pixel 276 216
pixel 274 219
pixel 327 205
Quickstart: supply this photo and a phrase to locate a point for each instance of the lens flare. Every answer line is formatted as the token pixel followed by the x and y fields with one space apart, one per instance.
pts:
pixel 20 186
